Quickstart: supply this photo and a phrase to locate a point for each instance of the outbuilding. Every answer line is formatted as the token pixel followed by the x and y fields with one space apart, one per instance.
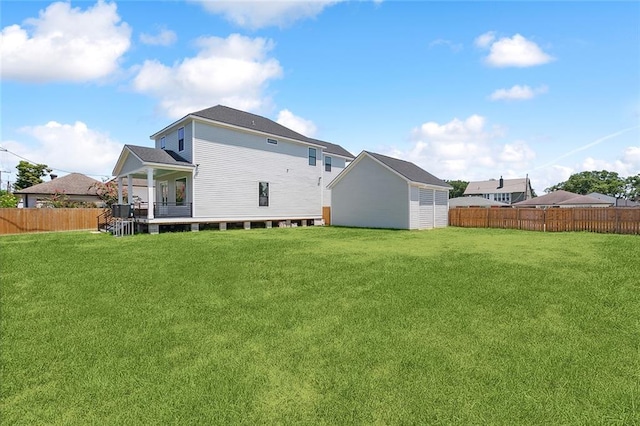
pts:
pixel 377 191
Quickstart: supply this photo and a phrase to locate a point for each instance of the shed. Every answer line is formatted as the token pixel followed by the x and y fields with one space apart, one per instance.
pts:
pixel 376 191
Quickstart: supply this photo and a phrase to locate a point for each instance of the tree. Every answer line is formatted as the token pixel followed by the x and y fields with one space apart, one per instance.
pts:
pixel 603 181
pixel 30 174
pixel 459 186
pixel 632 187
pixel 7 199
pixel 108 192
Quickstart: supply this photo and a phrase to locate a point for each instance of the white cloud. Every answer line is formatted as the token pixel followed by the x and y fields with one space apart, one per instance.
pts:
pixel 65 44
pixel 68 147
pixel 464 149
pixel 263 13
pixel 627 164
pixel 233 71
pixel 517 152
pixel 295 123
pixel 518 93
pixel 455 47
pixel 485 39
pixel 516 51
pixel 163 38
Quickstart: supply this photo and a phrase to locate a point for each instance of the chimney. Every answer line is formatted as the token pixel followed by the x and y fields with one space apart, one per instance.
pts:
pixel 52 176
pixel 501 183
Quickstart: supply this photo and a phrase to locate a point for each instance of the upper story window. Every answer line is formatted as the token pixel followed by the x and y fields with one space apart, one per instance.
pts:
pixel 163 142
pixel 327 164
pixel 272 141
pixel 312 156
pixel 181 139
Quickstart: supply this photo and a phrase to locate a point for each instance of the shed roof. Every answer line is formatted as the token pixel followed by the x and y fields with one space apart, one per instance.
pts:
pixel 71 184
pixel 491 186
pixel 409 170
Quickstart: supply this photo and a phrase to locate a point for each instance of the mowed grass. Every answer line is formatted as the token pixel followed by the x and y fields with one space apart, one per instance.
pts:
pixel 321 326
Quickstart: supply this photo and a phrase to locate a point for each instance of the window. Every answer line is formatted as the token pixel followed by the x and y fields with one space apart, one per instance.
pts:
pixel 181 189
pixel 181 139
pixel 327 164
pixel 312 156
pixel 272 141
pixel 163 142
pixel 263 194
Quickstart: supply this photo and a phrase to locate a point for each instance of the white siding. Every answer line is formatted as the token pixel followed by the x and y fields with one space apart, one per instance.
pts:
pixel 171 141
pixel 426 208
pixel 131 164
pixel 337 165
pixel 414 208
pixel 370 195
pixel 232 163
pixel 442 209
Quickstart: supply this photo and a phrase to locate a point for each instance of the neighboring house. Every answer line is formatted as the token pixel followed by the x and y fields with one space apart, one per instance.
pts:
pixel 76 186
pixel 139 188
pixel 376 191
pixel 226 165
pixel 461 202
pixel 563 199
pixel 508 191
pixel 615 202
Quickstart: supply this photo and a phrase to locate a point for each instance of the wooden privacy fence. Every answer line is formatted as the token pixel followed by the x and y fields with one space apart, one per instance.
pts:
pixel 18 221
pixel 606 220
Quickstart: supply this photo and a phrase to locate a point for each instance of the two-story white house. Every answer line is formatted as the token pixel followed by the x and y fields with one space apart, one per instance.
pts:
pixel 222 165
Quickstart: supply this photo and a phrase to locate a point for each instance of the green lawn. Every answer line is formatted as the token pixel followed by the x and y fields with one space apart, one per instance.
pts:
pixel 321 326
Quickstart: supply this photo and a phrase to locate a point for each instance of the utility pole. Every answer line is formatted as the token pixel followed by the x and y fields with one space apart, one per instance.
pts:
pixel 1 172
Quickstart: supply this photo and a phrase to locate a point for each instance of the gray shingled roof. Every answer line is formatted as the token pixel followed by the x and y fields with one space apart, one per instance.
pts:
pixel 331 148
pixel 409 170
pixel 559 197
pixel 247 120
pixel 156 155
pixel 474 201
pixel 491 186
pixel 584 199
pixel 71 184
pixel 618 202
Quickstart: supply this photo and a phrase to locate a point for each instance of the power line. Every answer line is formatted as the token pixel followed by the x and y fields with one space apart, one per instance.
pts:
pixel 51 167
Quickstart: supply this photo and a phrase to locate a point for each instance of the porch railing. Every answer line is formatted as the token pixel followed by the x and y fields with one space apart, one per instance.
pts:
pixel 163 210
pixel 172 209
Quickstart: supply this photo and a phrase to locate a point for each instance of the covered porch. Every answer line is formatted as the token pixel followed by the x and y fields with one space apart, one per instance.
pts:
pixel 169 179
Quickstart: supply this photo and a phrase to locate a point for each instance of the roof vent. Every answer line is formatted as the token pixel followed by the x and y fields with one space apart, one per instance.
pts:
pixel 501 183
pixel 52 176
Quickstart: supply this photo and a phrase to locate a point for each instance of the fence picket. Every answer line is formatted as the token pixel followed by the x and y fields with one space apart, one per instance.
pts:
pixel 604 220
pixel 18 221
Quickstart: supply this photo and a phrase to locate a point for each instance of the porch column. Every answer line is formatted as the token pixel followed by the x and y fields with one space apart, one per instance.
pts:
pixel 129 189
pixel 119 189
pixel 150 192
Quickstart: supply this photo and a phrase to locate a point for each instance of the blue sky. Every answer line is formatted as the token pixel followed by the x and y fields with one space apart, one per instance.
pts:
pixel 466 90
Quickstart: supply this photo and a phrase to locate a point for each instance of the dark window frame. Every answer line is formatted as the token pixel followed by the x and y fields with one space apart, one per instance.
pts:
pixel 327 164
pixel 163 142
pixel 181 139
pixel 263 194
pixel 272 141
pixel 313 157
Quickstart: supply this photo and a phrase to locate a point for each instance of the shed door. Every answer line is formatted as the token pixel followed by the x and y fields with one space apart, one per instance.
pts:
pixel 426 208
